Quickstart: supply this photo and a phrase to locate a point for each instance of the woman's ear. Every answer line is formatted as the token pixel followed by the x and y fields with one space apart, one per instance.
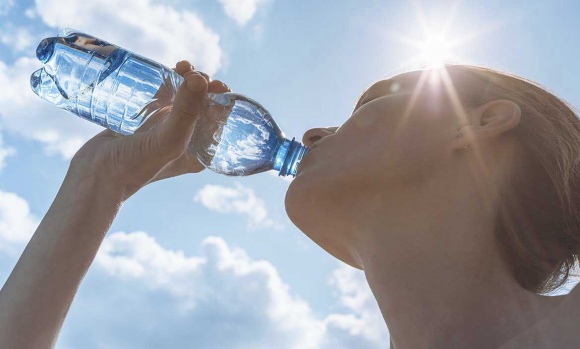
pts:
pixel 488 121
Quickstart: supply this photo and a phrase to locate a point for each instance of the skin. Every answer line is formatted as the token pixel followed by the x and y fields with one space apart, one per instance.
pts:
pixel 102 175
pixel 395 192
pixel 392 191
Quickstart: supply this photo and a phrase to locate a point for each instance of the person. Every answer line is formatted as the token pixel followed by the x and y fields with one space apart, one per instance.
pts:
pixel 455 190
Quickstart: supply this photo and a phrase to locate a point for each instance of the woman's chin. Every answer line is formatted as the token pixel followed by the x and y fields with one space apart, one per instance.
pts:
pixel 301 201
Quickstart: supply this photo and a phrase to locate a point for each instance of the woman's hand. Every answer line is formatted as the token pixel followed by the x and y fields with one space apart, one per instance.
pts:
pixel 127 163
pixel 108 169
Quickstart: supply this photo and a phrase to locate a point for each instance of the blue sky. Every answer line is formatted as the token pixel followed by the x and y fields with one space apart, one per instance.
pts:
pixel 209 261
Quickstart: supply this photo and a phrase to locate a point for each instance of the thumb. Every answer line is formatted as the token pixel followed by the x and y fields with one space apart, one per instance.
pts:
pixel 177 129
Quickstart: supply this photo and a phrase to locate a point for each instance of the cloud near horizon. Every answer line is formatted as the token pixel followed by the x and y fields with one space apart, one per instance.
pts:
pixel 221 298
pixel 246 302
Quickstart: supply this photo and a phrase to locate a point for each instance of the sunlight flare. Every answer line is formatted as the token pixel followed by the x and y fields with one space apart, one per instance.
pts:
pixel 435 51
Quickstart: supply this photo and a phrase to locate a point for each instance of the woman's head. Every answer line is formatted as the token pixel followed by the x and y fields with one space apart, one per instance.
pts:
pixel 405 146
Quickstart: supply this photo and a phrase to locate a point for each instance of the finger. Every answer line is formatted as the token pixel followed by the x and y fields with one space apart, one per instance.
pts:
pixel 154 119
pixel 175 133
pixel 182 67
pixel 106 133
pixel 204 75
pixel 188 73
pixel 217 86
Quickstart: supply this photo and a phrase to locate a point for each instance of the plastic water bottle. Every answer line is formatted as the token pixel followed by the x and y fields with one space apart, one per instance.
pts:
pixel 120 90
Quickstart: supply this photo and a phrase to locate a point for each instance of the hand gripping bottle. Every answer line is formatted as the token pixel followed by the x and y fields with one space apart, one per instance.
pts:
pixel 120 90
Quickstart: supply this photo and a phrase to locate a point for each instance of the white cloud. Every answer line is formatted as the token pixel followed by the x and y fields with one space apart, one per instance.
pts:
pixel 17 38
pixel 139 294
pixel 223 299
pixel 30 13
pixel 154 30
pixel 5 152
pixel 239 199
pixel 17 224
pixel 137 256
pixel 5 6
pixel 241 11
pixel 31 117
pixel 158 31
pixel 363 326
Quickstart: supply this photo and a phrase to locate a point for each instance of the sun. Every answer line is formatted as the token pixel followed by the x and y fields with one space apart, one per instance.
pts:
pixel 436 43
pixel 435 50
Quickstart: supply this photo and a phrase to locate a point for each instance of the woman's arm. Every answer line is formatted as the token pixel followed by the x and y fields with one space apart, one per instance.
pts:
pixel 105 172
pixel 36 297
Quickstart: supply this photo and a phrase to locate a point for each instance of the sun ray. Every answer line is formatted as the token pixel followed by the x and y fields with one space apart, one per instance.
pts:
pixel 404 40
pixel 435 49
pixel 438 46
pixel 421 18
pixel 418 62
pixel 411 104
pixel 415 95
pixel 450 17
pixel 453 96
pixel 483 172
pixel 460 40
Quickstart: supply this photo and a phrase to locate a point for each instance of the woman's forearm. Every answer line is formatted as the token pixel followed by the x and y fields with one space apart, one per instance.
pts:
pixel 36 297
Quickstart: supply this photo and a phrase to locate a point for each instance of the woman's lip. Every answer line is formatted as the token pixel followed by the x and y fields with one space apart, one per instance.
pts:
pixel 300 165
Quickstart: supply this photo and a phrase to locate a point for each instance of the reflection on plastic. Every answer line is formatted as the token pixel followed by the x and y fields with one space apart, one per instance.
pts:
pixel 120 90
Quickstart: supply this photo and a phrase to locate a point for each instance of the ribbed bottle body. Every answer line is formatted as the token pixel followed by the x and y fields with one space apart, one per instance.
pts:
pixel 113 87
pixel 120 90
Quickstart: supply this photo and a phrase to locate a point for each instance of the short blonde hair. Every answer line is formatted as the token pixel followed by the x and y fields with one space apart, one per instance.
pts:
pixel 538 221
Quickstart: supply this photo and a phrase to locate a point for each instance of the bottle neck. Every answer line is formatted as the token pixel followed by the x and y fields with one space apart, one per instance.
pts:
pixel 288 157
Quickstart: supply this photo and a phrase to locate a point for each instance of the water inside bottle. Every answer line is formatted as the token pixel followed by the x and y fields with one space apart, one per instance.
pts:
pixel 120 90
pixel 235 135
pixel 101 82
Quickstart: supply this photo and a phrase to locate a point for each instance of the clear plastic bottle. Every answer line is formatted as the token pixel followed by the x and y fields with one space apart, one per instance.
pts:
pixel 120 90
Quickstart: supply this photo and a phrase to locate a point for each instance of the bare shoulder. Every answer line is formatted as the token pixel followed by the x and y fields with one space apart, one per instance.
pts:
pixel 561 329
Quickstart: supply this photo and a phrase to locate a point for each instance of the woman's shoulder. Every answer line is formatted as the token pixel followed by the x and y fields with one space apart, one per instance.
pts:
pixel 560 329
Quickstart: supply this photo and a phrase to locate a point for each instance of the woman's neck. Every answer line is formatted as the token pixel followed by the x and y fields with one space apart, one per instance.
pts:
pixel 439 279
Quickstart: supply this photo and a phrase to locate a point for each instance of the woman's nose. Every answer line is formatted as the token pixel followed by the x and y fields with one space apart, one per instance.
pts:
pixel 315 134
